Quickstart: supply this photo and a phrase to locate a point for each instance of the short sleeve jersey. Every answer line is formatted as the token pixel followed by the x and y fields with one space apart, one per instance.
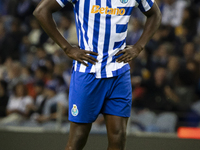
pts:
pixel 102 28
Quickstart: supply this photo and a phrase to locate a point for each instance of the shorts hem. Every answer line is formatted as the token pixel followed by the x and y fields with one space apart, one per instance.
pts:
pixel 119 115
pixel 80 121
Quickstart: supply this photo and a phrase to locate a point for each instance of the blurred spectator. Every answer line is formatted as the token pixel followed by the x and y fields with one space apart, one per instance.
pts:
pixel 68 29
pixel 140 69
pixel 24 8
pixel 41 58
pixel 53 102
pixel 160 56
pixel 173 12
pixel 13 74
pixel 35 33
pixel 39 90
pixel 154 97
pixel 188 51
pixel 17 108
pixel 184 95
pixel 156 104
pixel 60 57
pixel 11 42
pixel 184 89
pixel 189 21
pixel 26 75
pixel 38 106
pixel 40 73
pixel 3 98
pixel 67 74
pixel 172 68
pixel 24 49
pixel 164 36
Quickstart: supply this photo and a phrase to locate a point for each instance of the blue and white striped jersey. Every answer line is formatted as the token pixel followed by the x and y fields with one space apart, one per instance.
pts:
pixel 102 28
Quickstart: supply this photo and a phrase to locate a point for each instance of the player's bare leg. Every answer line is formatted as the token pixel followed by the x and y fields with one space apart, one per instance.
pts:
pixel 78 135
pixel 116 130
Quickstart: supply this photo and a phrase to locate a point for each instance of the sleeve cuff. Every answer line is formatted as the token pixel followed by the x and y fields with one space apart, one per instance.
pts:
pixel 60 3
pixel 146 5
pixel 149 4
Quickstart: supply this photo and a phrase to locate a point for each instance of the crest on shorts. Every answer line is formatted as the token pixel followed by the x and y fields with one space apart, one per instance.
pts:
pixel 74 110
pixel 124 1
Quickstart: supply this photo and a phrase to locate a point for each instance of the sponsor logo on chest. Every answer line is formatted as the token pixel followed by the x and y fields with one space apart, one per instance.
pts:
pixel 106 10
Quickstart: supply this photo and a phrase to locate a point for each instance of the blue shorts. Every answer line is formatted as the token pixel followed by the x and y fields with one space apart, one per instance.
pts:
pixel 89 96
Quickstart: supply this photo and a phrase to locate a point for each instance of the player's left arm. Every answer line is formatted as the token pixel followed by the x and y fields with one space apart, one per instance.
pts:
pixel 152 23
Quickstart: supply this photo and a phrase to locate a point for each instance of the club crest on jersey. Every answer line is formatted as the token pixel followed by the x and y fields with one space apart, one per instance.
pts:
pixel 74 110
pixel 124 1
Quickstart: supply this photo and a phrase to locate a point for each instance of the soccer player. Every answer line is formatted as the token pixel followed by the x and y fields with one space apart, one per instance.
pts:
pixel 100 81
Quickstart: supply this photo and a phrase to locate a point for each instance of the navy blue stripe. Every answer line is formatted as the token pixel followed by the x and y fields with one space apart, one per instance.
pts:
pixel 121 28
pixel 119 44
pixel 106 40
pixel 128 10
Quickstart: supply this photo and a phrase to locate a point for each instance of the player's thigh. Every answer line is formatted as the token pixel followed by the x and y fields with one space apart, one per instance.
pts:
pixel 79 129
pixel 116 127
pixel 78 135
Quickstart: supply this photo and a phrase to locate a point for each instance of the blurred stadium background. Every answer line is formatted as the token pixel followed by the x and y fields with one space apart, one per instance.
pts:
pixel 35 77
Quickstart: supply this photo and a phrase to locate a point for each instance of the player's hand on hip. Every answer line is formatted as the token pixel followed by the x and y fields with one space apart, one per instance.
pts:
pixel 81 55
pixel 129 53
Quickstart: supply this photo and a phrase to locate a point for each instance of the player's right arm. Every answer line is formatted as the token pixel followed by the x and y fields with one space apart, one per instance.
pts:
pixel 43 13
